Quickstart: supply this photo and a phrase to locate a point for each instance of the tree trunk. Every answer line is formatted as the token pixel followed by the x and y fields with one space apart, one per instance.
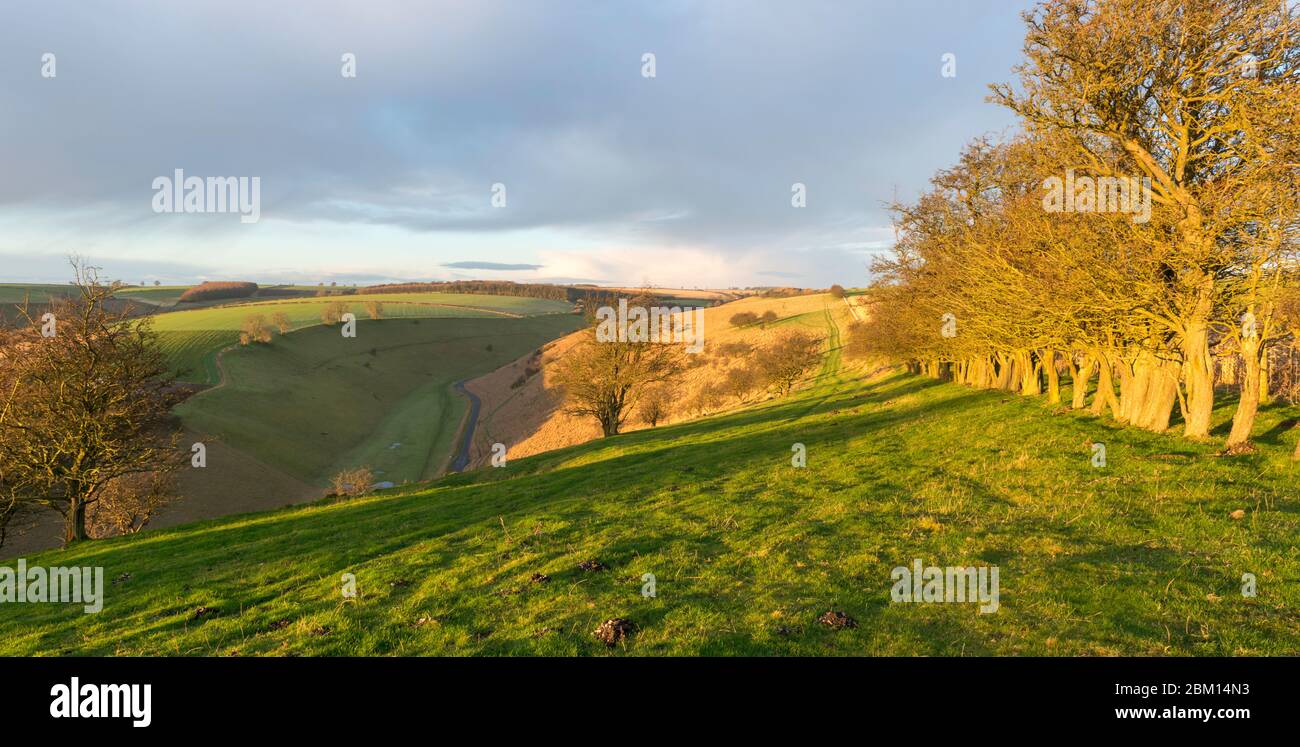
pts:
pixel 1265 374
pixel 1132 388
pixel 74 525
pixel 1053 378
pixel 1161 395
pixel 983 377
pixel 1198 367
pixel 1105 396
pixel 1079 378
pixel 1004 375
pixel 1028 370
pixel 1243 420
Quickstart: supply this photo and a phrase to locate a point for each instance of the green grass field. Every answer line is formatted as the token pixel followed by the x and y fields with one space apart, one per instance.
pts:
pixel 191 338
pixel 1140 557
pixel 36 292
pixel 313 402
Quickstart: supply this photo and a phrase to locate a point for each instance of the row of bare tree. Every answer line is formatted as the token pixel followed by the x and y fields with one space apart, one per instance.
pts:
pixel 1143 221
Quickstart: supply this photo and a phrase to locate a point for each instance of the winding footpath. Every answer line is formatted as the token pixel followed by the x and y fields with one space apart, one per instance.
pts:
pixel 461 461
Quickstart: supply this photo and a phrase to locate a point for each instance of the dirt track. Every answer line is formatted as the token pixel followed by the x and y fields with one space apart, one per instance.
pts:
pixel 461 460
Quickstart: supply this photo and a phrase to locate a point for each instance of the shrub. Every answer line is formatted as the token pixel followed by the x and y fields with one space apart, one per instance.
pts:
pixel 353 482
pixel 126 504
pixel 333 312
pixel 735 349
pixel 837 291
pixel 709 397
pixel 788 359
pixel 281 322
pixel 744 318
pixel 740 381
pixel 768 317
pixel 655 406
pixel 254 329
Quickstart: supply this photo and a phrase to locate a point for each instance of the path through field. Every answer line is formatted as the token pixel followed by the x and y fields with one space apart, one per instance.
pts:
pixel 461 460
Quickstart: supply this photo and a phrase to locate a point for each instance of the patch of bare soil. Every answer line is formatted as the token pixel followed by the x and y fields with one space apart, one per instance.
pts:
pixel 836 620
pixel 614 631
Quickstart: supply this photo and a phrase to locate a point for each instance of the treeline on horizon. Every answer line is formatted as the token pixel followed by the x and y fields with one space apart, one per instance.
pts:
pixel 484 287
pixel 996 282
pixel 214 290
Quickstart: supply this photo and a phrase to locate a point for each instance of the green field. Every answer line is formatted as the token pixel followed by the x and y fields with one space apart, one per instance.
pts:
pixel 313 402
pixel 191 338
pixel 36 292
pixel 36 296
pixel 1141 557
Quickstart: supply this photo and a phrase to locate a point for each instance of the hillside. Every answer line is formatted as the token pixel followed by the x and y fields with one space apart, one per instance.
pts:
pixel 313 403
pixel 193 337
pixel 289 415
pixel 1142 557
pixel 522 407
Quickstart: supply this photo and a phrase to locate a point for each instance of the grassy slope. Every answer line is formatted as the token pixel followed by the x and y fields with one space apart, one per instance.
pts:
pixel 34 292
pixel 192 338
pixel 528 420
pixel 1138 558
pixel 314 402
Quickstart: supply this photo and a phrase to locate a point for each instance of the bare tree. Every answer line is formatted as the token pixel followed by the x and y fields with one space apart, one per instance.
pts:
pixel 333 312
pixel 281 322
pixel 85 396
pixel 790 358
pixel 127 504
pixel 605 379
pixel 353 482
pixel 254 329
pixel 655 405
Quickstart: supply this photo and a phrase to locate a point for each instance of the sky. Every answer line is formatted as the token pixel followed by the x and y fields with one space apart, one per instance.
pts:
pixel 520 140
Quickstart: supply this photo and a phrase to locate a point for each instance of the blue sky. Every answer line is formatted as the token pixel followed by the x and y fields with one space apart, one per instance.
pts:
pixel 682 179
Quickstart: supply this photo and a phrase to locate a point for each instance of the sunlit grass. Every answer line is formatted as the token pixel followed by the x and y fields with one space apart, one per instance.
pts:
pixel 1141 557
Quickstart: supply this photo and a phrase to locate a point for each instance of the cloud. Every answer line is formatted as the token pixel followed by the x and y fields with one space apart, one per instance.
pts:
pixel 396 166
pixel 469 265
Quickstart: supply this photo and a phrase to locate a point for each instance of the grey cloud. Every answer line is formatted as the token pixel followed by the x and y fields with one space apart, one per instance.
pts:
pixel 490 266
pixel 546 98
